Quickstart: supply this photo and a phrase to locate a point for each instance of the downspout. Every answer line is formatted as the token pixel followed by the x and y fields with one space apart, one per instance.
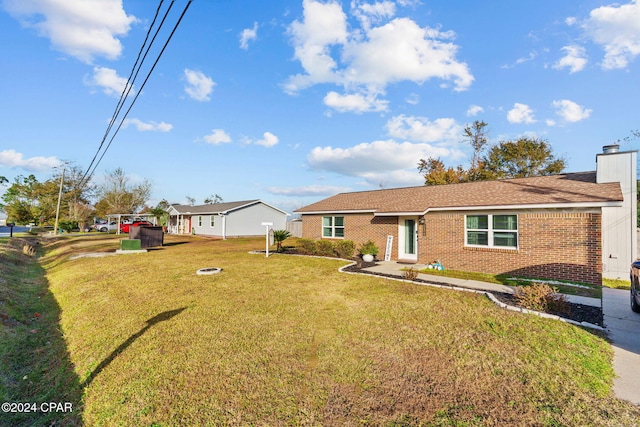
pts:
pixel 224 226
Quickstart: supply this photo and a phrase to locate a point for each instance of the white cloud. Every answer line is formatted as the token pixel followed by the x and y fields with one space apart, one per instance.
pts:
pixel 520 113
pixel 199 87
pixel 570 111
pixel 13 159
pixel 247 35
pixel 413 99
pixel 149 126
pixel 474 110
pixel 268 140
pixel 357 103
pixel 380 162
pixel 617 29
pixel 372 13
pixel 309 190
pixel 368 59
pixel 82 29
pixel 420 129
pixel 575 59
pixel 108 80
pixel 217 136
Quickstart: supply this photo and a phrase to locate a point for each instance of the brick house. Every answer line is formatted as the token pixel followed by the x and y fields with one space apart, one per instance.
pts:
pixel 574 226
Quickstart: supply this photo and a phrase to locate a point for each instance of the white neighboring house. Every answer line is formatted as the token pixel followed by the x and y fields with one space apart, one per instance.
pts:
pixel 232 219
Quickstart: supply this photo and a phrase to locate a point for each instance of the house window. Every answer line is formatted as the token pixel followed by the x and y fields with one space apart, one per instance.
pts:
pixel 199 220
pixel 332 226
pixel 493 231
pixel 212 220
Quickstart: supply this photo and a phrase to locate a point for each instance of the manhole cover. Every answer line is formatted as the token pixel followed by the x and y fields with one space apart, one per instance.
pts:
pixel 210 270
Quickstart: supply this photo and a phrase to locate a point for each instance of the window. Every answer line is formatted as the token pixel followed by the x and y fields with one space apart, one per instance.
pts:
pixel 212 220
pixel 333 226
pixel 493 231
pixel 199 220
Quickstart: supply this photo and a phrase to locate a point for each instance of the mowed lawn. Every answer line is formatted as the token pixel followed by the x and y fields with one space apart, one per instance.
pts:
pixel 289 340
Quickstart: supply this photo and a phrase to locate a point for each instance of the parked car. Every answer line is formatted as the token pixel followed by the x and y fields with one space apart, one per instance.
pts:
pixel 635 286
pixel 124 228
pixel 107 227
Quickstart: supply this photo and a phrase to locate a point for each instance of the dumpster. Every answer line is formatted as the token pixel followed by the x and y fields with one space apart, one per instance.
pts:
pixel 149 236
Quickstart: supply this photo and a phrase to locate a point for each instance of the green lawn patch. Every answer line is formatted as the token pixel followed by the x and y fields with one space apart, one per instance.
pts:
pixel 288 340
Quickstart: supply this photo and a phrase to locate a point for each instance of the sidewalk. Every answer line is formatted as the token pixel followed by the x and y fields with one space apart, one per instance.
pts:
pixel 395 269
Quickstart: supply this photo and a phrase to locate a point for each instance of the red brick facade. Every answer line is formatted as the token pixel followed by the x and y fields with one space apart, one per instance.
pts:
pixel 553 245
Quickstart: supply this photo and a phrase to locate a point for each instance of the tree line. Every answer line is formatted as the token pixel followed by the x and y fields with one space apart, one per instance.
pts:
pixel 521 158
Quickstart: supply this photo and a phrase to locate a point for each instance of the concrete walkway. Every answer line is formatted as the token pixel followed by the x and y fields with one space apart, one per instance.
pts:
pixel 622 325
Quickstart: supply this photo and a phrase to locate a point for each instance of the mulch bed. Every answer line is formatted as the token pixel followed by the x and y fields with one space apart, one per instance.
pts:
pixel 577 312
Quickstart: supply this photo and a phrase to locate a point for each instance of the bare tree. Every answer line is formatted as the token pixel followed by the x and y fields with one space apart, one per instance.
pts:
pixel 117 195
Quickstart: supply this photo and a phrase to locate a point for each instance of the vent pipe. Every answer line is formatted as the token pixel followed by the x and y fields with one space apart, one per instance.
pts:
pixel 610 149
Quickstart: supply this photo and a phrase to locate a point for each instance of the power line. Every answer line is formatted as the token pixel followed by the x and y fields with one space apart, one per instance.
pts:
pixel 89 173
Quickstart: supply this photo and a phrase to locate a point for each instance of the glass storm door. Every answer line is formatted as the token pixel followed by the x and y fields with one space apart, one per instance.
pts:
pixel 408 239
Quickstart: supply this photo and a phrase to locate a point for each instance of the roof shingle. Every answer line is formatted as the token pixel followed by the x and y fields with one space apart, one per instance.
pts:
pixel 564 189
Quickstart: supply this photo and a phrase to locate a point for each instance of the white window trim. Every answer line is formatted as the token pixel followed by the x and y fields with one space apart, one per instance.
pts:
pixel 212 221
pixel 333 227
pixel 199 220
pixel 490 231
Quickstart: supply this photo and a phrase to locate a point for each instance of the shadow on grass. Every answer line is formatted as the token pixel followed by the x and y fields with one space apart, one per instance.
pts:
pixel 164 316
pixel 35 365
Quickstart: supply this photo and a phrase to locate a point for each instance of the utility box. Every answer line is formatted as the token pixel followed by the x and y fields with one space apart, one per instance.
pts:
pixel 149 236
pixel 130 245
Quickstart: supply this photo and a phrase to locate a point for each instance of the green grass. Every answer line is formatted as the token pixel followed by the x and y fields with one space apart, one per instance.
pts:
pixel 616 284
pixel 288 340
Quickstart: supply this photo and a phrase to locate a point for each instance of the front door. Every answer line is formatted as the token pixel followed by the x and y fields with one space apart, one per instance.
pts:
pixel 408 239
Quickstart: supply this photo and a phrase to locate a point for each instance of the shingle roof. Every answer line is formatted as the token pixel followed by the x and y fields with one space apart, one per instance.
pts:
pixel 213 208
pixel 566 189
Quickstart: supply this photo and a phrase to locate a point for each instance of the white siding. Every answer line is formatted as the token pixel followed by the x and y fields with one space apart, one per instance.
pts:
pixel 248 221
pixel 619 224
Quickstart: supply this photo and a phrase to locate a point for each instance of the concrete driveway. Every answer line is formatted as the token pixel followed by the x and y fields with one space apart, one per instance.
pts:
pixel 623 326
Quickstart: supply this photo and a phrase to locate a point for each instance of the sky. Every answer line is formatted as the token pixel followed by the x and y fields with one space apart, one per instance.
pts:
pixel 292 101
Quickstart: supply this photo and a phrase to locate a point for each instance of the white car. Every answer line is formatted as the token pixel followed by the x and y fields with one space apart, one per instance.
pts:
pixel 107 227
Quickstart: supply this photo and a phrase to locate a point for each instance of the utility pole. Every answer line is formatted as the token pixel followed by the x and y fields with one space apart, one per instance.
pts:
pixel 55 227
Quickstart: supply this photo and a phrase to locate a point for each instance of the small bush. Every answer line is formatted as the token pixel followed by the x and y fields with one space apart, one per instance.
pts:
pixel 368 247
pixel 307 246
pixel 345 248
pixel 541 297
pixel 325 248
pixel 28 250
pixel 410 274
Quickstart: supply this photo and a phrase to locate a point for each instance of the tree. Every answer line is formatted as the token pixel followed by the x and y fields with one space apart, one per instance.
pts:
pixel 213 199
pixel 190 200
pixel 117 195
pixel 522 158
pixel 21 201
pixel 435 172
pixel 477 138
pixel 280 236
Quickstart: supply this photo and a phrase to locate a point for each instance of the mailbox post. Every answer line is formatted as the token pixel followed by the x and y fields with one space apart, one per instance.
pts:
pixel 267 225
pixel 11 225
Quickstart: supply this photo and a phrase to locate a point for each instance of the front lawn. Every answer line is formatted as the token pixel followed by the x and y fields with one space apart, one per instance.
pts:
pixel 288 340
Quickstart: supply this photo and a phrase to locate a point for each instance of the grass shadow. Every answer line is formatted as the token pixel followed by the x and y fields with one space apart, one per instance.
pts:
pixel 35 365
pixel 162 317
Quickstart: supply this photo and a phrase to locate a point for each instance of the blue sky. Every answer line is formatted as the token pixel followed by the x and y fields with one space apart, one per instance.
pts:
pixel 296 100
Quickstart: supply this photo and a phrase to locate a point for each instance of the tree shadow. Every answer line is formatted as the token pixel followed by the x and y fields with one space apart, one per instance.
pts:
pixel 162 317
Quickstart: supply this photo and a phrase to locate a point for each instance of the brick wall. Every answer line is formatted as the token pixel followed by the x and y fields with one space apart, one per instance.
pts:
pixel 554 245
pixel 359 228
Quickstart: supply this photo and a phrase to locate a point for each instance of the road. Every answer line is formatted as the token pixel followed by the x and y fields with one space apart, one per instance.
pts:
pixel 5 231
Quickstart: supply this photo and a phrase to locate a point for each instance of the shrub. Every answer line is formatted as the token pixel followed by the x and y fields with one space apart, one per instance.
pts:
pixel 345 248
pixel 280 236
pixel 368 247
pixel 307 246
pixel 325 248
pixel 541 297
pixel 410 274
